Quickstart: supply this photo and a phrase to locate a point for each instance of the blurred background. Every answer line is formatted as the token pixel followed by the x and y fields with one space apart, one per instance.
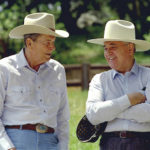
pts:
pixel 83 19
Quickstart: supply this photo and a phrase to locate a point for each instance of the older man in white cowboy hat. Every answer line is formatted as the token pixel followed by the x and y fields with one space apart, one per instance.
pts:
pixel 120 96
pixel 34 111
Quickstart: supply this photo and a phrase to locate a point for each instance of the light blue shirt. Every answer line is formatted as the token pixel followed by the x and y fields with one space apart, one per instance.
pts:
pixel 30 97
pixel 108 100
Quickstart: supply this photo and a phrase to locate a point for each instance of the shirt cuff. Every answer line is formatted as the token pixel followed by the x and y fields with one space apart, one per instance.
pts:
pixel 123 102
pixel 63 146
pixel 5 143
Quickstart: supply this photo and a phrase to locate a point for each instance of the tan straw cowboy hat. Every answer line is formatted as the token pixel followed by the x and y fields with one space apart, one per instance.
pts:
pixel 121 30
pixel 42 23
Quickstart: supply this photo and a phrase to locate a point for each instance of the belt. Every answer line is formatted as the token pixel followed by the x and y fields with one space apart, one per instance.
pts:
pixel 127 134
pixel 36 127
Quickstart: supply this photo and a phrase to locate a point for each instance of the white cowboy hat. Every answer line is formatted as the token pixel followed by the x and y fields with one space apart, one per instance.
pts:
pixel 42 23
pixel 121 30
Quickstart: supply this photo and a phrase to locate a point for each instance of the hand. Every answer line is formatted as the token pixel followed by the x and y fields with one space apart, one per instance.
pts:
pixel 12 148
pixel 136 98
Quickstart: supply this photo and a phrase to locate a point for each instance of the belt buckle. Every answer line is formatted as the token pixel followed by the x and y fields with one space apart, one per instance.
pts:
pixel 40 128
pixel 123 134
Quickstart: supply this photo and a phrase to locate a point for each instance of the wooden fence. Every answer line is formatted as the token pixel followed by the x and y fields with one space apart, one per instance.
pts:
pixel 81 74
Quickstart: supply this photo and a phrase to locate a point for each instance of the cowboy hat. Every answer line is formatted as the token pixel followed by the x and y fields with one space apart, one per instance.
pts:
pixel 42 23
pixel 121 30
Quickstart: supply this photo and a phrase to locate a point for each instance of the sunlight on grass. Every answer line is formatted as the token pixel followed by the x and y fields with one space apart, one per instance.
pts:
pixel 77 100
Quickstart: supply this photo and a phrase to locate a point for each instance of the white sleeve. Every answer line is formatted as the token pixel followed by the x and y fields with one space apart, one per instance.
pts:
pixel 63 117
pixel 98 109
pixel 5 142
pixel 139 112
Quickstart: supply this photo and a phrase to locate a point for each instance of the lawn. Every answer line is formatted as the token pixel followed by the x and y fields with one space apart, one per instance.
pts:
pixel 77 100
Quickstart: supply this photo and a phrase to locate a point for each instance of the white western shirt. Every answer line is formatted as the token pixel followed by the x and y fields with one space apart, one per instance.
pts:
pixel 30 97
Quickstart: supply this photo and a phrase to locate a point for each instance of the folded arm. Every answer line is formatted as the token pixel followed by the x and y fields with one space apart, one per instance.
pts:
pixel 99 110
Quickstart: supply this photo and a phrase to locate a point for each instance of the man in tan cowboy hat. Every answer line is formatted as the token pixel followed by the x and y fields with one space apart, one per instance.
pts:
pixel 34 111
pixel 120 96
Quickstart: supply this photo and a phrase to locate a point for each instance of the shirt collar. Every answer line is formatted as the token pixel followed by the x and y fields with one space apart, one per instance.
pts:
pixel 134 70
pixel 49 63
pixel 22 61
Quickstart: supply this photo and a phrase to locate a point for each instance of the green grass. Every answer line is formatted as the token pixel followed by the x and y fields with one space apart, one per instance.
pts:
pixel 77 100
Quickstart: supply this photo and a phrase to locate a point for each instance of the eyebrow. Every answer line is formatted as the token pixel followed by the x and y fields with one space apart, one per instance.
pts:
pixel 50 39
pixel 111 44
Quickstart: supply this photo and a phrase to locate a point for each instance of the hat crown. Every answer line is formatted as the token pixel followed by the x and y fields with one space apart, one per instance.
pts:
pixel 119 29
pixel 41 19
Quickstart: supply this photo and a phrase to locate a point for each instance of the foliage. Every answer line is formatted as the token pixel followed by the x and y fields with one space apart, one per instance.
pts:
pixel 79 52
pixel 12 14
pixel 83 19
pixel 136 11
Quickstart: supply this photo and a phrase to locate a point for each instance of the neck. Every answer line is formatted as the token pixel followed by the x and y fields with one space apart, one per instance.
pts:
pixel 33 63
pixel 128 68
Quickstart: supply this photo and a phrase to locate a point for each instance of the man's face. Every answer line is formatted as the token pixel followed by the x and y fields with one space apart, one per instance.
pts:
pixel 43 47
pixel 119 55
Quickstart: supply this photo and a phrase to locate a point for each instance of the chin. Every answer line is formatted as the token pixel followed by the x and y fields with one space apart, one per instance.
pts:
pixel 48 59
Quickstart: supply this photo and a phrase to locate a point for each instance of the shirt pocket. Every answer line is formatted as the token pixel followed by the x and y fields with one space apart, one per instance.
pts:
pixel 53 98
pixel 19 94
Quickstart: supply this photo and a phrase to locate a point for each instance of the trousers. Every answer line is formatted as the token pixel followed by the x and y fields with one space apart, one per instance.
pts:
pixel 32 140
pixel 117 143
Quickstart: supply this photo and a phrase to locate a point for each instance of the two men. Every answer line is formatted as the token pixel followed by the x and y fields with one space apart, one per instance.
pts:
pixel 34 111
pixel 120 95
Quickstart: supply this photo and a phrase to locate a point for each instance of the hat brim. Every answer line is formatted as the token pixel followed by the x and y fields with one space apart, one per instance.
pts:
pixel 141 45
pixel 20 31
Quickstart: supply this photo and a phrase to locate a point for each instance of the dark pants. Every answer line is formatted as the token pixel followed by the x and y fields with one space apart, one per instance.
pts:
pixel 117 143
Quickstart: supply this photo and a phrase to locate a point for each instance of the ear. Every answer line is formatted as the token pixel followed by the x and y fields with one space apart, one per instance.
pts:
pixel 29 42
pixel 131 48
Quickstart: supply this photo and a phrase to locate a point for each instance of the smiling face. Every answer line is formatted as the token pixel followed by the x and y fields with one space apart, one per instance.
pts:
pixel 119 55
pixel 39 50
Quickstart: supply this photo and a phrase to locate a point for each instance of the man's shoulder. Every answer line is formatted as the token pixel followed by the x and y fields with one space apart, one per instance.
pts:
pixel 104 74
pixel 55 64
pixel 144 68
pixel 6 61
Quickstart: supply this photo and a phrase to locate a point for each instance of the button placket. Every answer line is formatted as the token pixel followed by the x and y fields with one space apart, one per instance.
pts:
pixel 39 89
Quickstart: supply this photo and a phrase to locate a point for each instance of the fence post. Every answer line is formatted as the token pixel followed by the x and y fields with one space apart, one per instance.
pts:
pixel 85 76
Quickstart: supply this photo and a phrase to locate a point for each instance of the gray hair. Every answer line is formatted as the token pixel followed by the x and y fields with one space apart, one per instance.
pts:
pixel 33 36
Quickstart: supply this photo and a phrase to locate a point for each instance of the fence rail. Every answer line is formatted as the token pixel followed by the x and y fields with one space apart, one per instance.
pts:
pixel 81 74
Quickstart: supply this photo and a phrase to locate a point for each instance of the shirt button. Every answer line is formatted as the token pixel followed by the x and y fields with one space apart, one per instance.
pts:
pixel 39 87
pixel 45 111
pixel 40 100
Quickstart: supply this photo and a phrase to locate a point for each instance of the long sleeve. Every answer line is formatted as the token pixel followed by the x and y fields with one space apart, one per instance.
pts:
pixel 108 100
pixel 5 142
pixel 139 113
pixel 97 108
pixel 63 119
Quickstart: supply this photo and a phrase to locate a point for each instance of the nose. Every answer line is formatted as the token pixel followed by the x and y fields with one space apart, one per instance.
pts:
pixel 108 51
pixel 51 46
